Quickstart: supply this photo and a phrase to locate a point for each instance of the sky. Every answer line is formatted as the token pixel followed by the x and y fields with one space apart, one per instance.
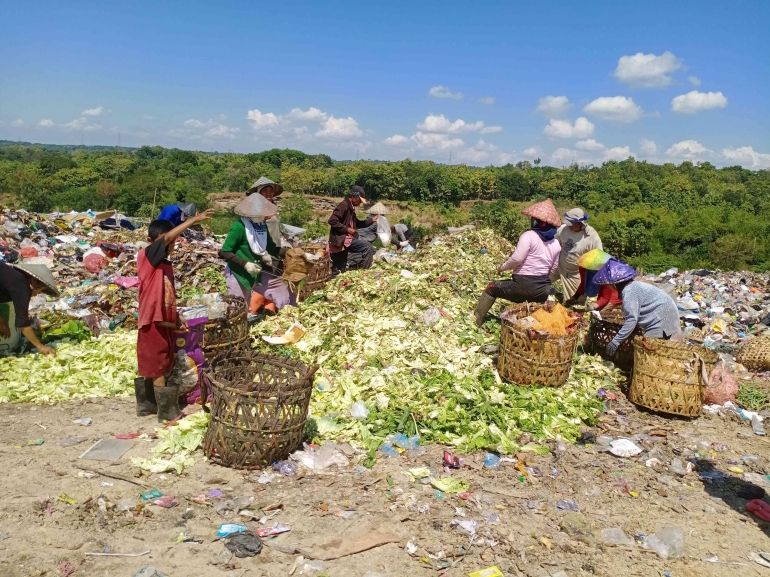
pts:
pixel 462 82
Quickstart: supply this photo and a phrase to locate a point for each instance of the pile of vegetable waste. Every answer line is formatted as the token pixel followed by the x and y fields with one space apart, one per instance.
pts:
pixel 401 338
pixel 100 367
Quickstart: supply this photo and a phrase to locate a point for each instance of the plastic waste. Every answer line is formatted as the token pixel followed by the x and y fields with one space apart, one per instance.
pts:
pixel 616 536
pixel 759 508
pixel 149 571
pixel 227 529
pixel 491 461
pixel 668 543
pixel 312 567
pixel 624 448
pixel 388 450
pixel 276 529
pixel 151 494
pixel 757 426
pixel 565 505
pixel 321 458
pixel 359 410
pixel 285 468
pixel 403 442
pixel 430 317
pixel 244 544
pixel 167 502
pixel 678 467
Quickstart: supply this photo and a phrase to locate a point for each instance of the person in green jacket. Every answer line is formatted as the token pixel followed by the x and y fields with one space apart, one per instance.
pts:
pixel 249 251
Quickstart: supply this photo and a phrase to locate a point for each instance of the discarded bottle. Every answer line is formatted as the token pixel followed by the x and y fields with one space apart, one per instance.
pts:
pixel 616 536
pixel 668 543
pixel 491 461
pixel 757 426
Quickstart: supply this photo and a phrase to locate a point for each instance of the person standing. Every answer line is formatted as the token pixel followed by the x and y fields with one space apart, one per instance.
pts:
pixel 343 234
pixel 576 238
pixel 533 263
pixel 18 284
pixel 644 305
pixel 158 320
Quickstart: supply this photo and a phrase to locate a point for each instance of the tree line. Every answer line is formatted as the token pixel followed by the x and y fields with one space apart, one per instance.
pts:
pixel 686 215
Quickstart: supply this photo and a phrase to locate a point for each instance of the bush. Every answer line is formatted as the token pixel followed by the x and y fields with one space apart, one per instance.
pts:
pixel 296 210
pixel 502 217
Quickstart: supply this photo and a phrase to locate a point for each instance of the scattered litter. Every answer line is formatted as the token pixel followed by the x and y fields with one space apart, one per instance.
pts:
pixel 85 421
pixel 244 544
pixel 107 450
pixel 668 543
pixel 227 529
pixel 624 448
pixel 276 529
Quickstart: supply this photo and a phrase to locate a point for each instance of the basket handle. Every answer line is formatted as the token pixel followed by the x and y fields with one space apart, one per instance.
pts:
pixel 204 391
pixel 646 345
pixel 309 375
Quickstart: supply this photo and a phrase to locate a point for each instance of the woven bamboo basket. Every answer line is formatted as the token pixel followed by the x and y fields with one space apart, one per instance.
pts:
pixel 755 354
pixel 228 332
pixel 527 361
pixel 258 409
pixel 669 376
pixel 317 278
pixel 602 331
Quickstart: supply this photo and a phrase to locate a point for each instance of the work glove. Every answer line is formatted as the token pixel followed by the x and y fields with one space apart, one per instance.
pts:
pixel 252 268
pixel 591 307
pixel 403 243
pixel 267 260
pixel 612 347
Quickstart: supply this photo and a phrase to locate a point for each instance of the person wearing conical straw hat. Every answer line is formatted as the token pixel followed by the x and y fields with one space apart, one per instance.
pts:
pixel 608 297
pixel 18 284
pixel 270 191
pixel 644 305
pixel 249 251
pixel 533 263
pixel 576 238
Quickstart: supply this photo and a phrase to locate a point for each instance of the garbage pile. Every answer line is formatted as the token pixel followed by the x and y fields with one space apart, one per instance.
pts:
pixel 93 258
pixel 400 338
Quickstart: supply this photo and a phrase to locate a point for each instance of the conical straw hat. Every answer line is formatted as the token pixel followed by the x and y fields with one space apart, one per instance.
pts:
pixel 255 206
pixel 41 273
pixel 543 210
pixel 379 208
pixel 261 183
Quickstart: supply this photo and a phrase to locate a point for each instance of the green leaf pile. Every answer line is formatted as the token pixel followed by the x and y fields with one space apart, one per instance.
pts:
pixel 173 453
pixel 365 331
pixel 103 367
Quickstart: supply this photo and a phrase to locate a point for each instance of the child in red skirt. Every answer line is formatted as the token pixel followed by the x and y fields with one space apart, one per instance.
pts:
pixel 158 320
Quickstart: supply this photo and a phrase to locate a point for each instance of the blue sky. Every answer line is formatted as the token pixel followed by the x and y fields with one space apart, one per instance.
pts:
pixel 487 83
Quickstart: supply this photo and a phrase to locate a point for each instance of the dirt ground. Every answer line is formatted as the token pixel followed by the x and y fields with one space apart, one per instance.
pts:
pixel 521 529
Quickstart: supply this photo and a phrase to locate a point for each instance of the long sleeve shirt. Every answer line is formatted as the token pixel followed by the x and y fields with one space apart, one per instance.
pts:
pixel 650 308
pixel 574 245
pixel 533 257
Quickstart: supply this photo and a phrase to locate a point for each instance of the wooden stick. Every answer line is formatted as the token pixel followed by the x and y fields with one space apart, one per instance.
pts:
pixel 118 554
pixel 120 478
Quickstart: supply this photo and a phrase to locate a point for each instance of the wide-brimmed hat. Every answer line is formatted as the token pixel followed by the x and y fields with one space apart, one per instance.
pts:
pixel 576 216
pixel 614 271
pixel 594 259
pixel 261 183
pixel 41 273
pixel 379 208
pixel 544 211
pixel 255 206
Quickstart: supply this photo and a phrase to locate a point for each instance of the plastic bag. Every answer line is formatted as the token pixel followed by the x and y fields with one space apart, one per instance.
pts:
pixel 725 387
pixel 184 374
pixel 359 410
pixel 383 230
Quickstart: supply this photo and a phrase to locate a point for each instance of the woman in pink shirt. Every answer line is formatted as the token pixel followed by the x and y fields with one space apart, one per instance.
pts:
pixel 533 263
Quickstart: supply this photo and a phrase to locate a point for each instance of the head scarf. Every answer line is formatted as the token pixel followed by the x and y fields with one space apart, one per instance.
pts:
pixel 613 272
pixel 594 259
pixel 544 230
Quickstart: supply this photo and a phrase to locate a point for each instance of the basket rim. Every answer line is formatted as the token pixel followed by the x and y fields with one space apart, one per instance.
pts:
pixel 299 366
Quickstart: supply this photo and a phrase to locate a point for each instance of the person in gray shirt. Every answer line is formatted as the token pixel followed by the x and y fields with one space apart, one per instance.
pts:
pixel 644 305
pixel 402 233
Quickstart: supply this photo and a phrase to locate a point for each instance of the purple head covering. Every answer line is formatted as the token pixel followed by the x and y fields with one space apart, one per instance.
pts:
pixel 614 271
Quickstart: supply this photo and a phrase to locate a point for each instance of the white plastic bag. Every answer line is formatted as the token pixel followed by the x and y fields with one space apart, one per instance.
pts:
pixel 383 230
pixel 358 410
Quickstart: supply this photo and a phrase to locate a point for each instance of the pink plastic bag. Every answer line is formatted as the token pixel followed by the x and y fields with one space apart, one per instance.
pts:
pixel 725 387
pixel 94 262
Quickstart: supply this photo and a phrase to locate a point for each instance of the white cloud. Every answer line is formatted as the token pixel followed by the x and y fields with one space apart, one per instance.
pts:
pixel 93 111
pixel 688 150
pixel 440 123
pixel 339 128
pixel 46 123
pixel 396 140
pixel 582 128
pixel 615 108
pixel 617 153
pixel 695 101
pixel 533 151
pixel 590 145
pixel 747 157
pixel 694 80
pixel 563 155
pixel 17 123
pixel 312 114
pixel 480 152
pixel 436 141
pixel 553 106
pixel 648 147
pixel 491 129
pixel 444 92
pixel 193 123
pixel 262 121
pixel 488 100
pixel 222 131
pixel 82 124
pixel 647 70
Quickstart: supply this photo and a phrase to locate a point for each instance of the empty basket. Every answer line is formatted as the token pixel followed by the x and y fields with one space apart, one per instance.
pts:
pixel 755 354
pixel 527 361
pixel 671 377
pixel 258 409
pixel 228 332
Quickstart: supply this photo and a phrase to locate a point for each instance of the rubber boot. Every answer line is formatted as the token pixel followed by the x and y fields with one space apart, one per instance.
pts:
pixel 145 403
pixel 168 403
pixel 482 307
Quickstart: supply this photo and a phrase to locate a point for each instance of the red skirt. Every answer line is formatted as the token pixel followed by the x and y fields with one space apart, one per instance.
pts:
pixel 155 350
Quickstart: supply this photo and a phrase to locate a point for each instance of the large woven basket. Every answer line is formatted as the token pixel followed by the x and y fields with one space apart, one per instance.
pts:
pixel 669 376
pixel 755 354
pixel 317 278
pixel 228 332
pixel 527 361
pixel 258 409
pixel 602 331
